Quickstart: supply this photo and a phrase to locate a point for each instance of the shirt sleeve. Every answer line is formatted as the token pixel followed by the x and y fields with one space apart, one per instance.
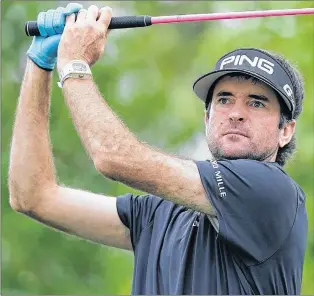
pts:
pixel 136 213
pixel 255 203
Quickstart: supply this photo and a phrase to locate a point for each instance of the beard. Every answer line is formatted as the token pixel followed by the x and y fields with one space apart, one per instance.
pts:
pixel 218 153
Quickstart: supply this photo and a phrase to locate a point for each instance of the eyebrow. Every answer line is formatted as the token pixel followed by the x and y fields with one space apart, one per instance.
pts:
pixel 253 96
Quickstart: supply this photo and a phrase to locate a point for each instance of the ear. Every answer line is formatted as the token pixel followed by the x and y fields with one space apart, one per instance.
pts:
pixel 206 116
pixel 206 120
pixel 286 133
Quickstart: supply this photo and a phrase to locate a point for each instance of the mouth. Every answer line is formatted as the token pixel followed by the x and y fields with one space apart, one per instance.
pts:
pixel 235 132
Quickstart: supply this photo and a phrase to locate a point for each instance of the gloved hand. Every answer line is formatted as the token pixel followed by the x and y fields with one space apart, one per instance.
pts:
pixel 43 50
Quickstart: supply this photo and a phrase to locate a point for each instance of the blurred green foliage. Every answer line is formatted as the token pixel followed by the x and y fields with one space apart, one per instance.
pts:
pixel 146 76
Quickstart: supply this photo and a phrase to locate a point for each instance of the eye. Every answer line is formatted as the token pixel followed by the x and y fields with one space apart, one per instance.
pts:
pixel 223 101
pixel 257 104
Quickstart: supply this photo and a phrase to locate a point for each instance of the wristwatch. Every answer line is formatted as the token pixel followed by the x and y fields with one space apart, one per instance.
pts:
pixel 76 69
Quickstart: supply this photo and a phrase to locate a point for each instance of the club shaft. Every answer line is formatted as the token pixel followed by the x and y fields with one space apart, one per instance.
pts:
pixel 228 15
pixel 31 28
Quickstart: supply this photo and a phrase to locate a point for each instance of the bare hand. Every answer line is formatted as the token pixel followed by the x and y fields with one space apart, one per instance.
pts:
pixel 85 38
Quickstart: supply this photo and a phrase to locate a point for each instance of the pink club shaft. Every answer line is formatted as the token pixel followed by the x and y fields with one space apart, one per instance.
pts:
pixel 228 15
pixel 31 27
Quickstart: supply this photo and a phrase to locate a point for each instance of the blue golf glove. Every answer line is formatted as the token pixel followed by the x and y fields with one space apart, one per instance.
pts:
pixel 43 50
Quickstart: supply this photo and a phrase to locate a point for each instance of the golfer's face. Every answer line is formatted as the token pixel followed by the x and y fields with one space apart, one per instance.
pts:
pixel 243 120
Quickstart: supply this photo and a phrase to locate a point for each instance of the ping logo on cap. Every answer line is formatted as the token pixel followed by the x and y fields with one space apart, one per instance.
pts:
pixel 288 90
pixel 238 60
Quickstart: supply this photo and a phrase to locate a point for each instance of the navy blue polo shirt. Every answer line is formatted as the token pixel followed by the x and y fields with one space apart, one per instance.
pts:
pixel 255 244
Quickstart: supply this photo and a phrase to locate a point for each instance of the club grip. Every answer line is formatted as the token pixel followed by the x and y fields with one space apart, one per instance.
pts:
pixel 119 22
pixel 123 22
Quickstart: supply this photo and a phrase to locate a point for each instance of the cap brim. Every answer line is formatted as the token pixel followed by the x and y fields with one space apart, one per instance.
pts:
pixel 202 85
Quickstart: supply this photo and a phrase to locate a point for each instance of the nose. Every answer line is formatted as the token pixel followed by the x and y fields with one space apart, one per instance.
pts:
pixel 237 113
pixel 235 117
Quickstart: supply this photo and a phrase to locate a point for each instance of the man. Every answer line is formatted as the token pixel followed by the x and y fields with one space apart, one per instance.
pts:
pixel 234 225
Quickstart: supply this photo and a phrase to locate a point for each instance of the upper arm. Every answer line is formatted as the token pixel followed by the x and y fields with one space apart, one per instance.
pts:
pixel 160 174
pixel 88 215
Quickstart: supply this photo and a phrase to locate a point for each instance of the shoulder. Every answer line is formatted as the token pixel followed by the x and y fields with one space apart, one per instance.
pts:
pixel 265 182
pixel 246 170
pixel 242 166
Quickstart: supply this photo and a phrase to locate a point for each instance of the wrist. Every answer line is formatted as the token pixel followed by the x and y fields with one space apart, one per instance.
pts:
pixel 34 69
pixel 77 69
pixel 73 81
pixel 61 63
pixel 42 61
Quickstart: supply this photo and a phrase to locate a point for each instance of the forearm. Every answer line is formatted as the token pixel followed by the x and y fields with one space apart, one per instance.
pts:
pixel 102 133
pixel 31 166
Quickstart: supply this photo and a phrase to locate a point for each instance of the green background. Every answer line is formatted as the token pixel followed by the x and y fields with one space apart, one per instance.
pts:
pixel 146 75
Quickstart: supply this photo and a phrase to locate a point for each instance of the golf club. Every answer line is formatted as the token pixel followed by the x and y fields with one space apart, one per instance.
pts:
pixel 122 22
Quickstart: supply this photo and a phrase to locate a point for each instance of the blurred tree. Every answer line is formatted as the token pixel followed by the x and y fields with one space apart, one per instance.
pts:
pixel 146 76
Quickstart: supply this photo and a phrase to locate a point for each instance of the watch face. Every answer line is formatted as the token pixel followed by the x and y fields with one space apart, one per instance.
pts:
pixel 79 67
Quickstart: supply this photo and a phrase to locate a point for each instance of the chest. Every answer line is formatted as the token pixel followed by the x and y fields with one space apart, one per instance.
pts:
pixel 182 233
